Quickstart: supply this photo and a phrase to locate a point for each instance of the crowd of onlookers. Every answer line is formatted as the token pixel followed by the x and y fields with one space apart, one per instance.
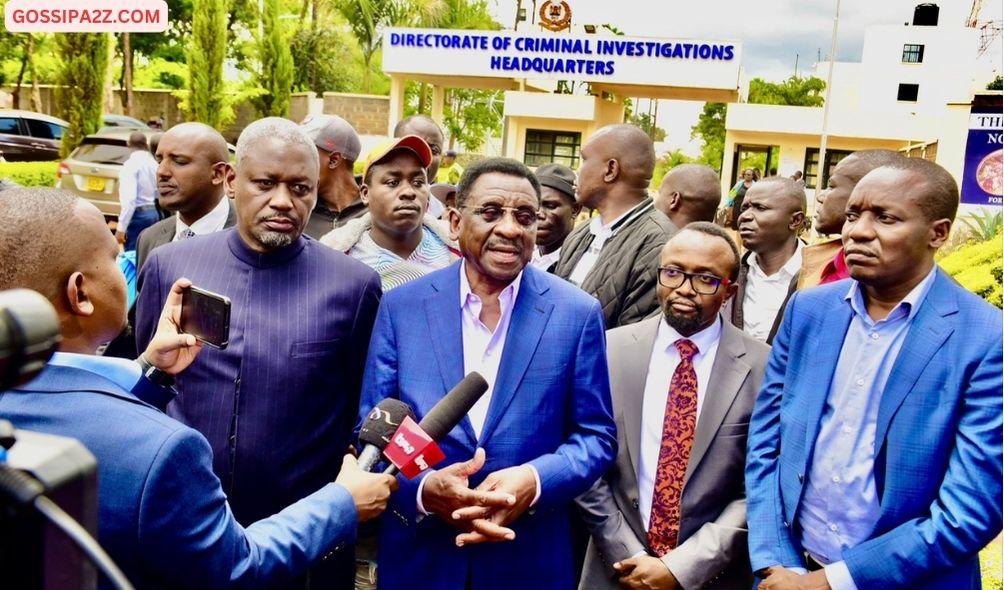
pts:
pixel 667 406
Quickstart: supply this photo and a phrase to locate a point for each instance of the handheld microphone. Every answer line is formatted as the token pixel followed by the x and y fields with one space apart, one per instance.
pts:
pixel 381 423
pixel 414 449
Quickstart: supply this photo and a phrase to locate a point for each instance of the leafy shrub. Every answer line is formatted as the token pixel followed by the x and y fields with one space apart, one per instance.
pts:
pixel 978 267
pixel 30 173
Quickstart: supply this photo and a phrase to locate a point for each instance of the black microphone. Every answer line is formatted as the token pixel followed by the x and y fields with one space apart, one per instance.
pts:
pixel 380 425
pixel 449 411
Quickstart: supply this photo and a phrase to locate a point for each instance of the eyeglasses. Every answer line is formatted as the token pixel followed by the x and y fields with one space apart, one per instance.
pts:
pixel 705 284
pixel 524 216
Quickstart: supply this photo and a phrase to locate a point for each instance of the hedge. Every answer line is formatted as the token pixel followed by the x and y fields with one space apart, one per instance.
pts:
pixel 30 173
pixel 977 267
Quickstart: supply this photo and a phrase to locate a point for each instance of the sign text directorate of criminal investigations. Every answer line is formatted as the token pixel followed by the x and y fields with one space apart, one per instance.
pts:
pixel 584 56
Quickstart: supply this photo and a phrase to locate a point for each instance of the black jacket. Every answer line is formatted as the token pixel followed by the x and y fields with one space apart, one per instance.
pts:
pixel 625 275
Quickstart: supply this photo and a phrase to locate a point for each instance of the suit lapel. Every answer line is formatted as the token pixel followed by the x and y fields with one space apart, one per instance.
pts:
pixel 526 326
pixel 727 375
pixel 442 313
pixel 631 388
pixel 926 335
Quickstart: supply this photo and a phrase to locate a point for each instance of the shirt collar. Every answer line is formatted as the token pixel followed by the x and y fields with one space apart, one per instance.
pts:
pixel 597 227
pixel 910 304
pixel 208 223
pixel 506 297
pixel 704 339
pixel 121 372
pixel 789 269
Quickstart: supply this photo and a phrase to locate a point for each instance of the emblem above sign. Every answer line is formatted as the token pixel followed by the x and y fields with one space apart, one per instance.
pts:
pixel 555 16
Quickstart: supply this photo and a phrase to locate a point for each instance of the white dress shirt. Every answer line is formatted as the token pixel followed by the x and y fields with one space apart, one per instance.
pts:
pixel 765 294
pixel 483 352
pixel 207 224
pixel 544 261
pixel 137 185
pixel 601 233
pixel 661 366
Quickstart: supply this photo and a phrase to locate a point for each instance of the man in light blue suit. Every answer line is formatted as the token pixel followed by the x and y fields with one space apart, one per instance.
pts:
pixel 162 514
pixel 545 425
pixel 875 444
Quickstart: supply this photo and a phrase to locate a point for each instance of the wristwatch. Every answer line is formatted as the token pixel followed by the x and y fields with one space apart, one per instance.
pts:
pixel 153 374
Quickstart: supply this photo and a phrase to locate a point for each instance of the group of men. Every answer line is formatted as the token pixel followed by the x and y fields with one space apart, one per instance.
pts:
pixel 709 421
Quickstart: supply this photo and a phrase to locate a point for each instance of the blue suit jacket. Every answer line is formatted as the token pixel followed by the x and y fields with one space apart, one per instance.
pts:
pixel 162 515
pixel 550 408
pixel 937 441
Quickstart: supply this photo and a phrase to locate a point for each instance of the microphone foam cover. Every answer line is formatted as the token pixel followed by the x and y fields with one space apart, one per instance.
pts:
pixel 383 420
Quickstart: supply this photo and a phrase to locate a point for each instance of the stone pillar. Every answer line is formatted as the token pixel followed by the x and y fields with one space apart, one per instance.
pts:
pixel 396 113
pixel 438 101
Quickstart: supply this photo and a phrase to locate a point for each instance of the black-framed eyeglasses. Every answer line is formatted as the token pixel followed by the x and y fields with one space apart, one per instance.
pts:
pixel 524 216
pixel 700 282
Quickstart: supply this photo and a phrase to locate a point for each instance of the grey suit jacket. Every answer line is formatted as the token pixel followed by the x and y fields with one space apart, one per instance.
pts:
pixel 162 233
pixel 712 551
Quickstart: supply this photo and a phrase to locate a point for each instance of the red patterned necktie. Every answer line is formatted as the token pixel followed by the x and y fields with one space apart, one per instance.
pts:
pixel 674 452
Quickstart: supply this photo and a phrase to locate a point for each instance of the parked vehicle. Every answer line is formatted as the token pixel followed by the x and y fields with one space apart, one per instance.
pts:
pixel 30 137
pixel 92 170
pixel 112 122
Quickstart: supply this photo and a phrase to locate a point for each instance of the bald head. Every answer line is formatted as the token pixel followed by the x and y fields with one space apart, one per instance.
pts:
pixel 832 202
pixel 192 163
pixel 689 193
pixel 617 163
pixel 59 245
pixel 773 214
pixel 208 142
pixel 429 131
pixel 137 140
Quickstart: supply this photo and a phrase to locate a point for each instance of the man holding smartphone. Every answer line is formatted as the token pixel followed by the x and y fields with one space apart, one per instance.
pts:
pixel 278 403
pixel 162 514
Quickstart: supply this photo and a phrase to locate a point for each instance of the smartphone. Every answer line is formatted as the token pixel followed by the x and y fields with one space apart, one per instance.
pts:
pixel 206 315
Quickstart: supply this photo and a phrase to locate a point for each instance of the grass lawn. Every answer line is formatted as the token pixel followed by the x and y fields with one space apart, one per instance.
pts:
pixel 990 563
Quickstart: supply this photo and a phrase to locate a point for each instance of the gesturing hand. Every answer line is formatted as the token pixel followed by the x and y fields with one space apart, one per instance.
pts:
pixel 170 350
pixel 488 523
pixel 448 490
pixel 779 578
pixel 645 572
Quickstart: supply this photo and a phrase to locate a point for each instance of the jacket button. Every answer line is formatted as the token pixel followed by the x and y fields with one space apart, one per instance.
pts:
pixel 634 503
pixel 801 478
pixel 786 525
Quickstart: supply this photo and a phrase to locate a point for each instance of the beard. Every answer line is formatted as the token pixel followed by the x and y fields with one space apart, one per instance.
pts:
pixel 274 239
pixel 684 325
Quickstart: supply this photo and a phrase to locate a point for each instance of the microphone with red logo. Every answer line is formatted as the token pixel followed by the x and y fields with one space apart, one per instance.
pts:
pixel 380 425
pixel 413 447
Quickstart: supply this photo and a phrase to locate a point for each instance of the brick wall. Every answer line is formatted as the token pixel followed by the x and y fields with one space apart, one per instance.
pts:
pixel 367 113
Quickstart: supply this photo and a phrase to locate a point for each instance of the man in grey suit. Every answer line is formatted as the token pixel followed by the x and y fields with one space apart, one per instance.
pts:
pixel 192 163
pixel 671 513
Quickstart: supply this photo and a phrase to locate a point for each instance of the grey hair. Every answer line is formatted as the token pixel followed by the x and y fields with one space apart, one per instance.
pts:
pixel 275 127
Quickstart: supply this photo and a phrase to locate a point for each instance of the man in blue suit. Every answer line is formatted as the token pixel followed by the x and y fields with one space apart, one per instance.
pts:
pixel 545 425
pixel 875 444
pixel 162 514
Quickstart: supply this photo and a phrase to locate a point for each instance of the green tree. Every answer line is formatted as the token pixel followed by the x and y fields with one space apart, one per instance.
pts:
pixel 470 116
pixel 323 58
pixel 997 84
pixel 206 97
pixel 645 121
pixel 81 84
pixel 367 18
pixel 710 127
pixel 666 163
pixel 275 69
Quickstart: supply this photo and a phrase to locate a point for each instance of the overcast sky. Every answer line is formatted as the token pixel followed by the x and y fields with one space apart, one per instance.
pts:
pixel 772 33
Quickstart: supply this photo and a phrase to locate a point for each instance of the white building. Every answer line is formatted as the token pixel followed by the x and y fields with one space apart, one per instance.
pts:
pixel 912 91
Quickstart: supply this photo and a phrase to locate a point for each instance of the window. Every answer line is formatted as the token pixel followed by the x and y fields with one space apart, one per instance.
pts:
pixel 545 147
pixel 811 168
pixel 44 130
pixel 9 125
pixel 908 92
pixel 96 150
pixel 913 54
